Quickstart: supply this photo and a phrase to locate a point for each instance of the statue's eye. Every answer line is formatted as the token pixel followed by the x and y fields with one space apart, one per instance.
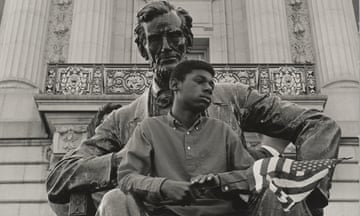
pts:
pixel 175 36
pixel 156 38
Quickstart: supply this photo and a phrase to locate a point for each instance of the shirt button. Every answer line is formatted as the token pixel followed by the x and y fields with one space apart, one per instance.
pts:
pixel 262 121
pixel 196 128
pixel 226 188
pixel 188 132
pixel 188 148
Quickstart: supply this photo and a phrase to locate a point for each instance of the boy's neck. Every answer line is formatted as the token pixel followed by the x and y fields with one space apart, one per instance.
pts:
pixel 185 116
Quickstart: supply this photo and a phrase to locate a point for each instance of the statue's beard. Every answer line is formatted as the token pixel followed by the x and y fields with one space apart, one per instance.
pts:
pixel 162 76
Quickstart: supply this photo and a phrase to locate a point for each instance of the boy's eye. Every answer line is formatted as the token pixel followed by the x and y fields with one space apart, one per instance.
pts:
pixel 199 80
pixel 212 84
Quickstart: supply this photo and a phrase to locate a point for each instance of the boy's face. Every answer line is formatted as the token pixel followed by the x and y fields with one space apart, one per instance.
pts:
pixel 195 92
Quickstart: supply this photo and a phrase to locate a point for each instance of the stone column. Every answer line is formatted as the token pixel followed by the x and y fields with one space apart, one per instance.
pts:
pixel 90 38
pixel 22 42
pixel 22 67
pixel 268 33
pixel 336 41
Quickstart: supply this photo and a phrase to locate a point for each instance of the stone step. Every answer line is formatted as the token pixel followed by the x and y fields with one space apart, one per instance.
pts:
pixel 346 171
pixel 26 209
pixel 23 173
pixel 24 151
pixel 28 192
pixel 348 150
pixel 342 209
pixel 344 191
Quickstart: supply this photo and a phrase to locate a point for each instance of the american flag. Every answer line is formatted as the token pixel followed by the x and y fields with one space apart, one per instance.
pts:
pixel 291 181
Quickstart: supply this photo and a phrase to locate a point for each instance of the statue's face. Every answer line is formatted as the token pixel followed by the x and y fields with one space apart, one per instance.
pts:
pixel 165 43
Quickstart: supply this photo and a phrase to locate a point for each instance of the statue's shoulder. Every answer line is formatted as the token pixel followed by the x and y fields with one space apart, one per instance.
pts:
pixel 226 89
pixel 135 109
pixel 230 86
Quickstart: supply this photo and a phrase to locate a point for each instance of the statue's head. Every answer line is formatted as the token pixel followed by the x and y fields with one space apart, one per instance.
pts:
pixel 163 35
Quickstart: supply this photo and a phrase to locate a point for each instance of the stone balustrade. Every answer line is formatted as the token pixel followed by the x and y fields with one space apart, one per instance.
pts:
pixel 127 79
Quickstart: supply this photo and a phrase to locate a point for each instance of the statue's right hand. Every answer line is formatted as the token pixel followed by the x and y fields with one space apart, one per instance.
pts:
pixel 178 191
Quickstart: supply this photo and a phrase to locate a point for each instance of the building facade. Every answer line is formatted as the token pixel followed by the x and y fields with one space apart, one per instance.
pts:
pixel 60 60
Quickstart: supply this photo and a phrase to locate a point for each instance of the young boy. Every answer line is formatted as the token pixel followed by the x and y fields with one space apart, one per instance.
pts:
pixel 170 158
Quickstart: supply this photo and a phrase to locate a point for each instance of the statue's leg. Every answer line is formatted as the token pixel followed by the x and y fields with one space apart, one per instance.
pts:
pixel 268 205
pixel 60 209
pixel 117 203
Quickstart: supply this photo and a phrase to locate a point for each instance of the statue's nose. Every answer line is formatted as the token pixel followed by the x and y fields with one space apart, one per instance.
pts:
pixel 165 44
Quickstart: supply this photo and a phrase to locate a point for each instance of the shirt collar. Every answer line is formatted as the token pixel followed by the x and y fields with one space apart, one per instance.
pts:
pixel 174 123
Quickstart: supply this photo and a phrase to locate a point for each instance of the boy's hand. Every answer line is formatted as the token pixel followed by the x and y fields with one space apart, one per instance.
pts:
pixel 208 180
pixel 204 185
pixel 178 191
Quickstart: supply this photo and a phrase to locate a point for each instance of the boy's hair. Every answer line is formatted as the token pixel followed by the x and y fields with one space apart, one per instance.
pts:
pixel 185 67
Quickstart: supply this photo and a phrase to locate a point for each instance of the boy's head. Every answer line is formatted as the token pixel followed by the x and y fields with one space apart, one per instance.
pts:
pixel 185 67
pixel 192 82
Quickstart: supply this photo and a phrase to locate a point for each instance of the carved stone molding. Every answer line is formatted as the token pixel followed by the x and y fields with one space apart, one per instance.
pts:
pixel 128 80
pixel 74 80
pixel 299 31
pixel 67 138
pixel 236 74
pixel 288 80
pixel 59 31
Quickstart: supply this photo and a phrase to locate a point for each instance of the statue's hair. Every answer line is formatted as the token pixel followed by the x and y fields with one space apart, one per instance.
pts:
pixel 153 10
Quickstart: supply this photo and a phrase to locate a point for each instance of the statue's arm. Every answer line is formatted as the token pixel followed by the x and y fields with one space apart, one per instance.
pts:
pixel 90 167
pixel 315 134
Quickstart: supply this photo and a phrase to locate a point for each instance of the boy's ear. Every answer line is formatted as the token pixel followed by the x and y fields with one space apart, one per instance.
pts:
pixel 173 84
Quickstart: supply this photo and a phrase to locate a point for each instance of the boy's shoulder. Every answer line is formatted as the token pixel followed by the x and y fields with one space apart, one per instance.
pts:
pixel 216 122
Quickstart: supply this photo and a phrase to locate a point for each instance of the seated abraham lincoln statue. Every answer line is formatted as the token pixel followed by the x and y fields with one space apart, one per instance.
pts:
pixel 163 35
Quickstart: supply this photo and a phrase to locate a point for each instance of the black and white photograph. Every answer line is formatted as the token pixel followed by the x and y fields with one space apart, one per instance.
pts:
pixel 179 107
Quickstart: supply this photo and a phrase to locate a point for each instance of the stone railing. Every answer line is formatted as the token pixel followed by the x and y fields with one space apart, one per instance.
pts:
pixel 126 79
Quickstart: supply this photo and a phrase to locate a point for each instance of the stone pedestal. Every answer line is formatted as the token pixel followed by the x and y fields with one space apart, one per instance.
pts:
pixel 67 117
pixel 91 29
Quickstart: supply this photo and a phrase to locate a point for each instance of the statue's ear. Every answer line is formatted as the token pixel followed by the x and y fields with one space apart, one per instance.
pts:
pixel 174 84
pixel 143 51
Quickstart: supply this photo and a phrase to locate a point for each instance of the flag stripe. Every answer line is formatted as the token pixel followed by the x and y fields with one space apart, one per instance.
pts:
pixel 279 165
pixel 301 189
pixel 299 197
pixel 287 165
pixel 264 166
pixel 273 164
pixel 258 178
pixel 290 184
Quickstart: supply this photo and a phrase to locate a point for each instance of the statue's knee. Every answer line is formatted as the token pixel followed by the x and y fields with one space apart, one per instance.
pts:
pixel 113 197
pixel 60 209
